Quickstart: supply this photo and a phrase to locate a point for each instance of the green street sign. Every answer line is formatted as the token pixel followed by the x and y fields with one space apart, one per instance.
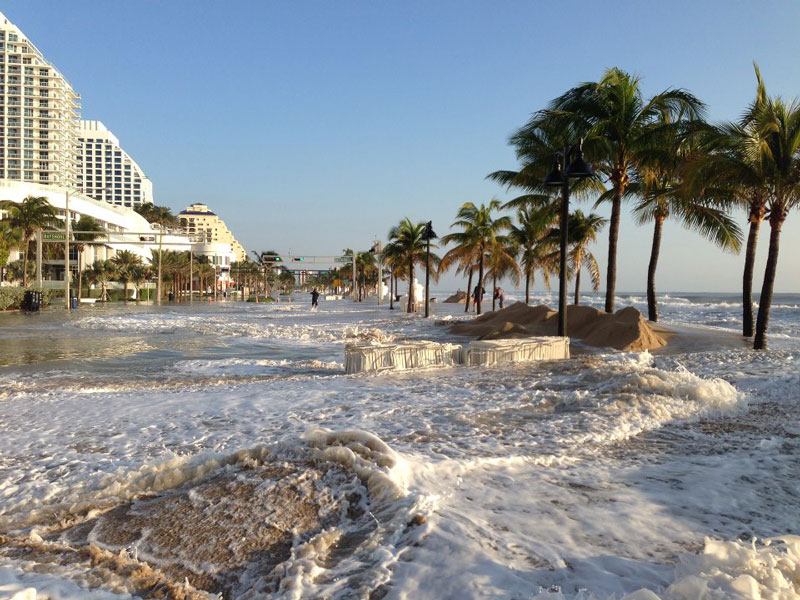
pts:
pixel 343 259
pixel 55 236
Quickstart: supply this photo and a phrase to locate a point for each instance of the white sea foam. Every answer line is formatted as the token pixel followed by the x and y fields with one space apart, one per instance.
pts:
pixel 587 479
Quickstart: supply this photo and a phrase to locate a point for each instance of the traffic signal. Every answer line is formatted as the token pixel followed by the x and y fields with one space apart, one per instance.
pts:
pixel 272 259
pixel 298 259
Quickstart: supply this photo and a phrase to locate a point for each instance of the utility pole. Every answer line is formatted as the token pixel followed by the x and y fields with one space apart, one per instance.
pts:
pixel 191 272
pixel 67 301
pixel 353 291
pixel 39 258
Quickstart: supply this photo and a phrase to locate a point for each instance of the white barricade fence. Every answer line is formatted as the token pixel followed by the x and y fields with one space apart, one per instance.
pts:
pixel 363 357
pixel 520 350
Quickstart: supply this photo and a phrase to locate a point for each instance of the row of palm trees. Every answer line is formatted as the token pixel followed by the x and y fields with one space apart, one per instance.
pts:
pixel 660 154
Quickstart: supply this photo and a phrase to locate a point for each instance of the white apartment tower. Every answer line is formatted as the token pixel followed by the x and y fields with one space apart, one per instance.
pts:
pixel 39 114
pixel 107 172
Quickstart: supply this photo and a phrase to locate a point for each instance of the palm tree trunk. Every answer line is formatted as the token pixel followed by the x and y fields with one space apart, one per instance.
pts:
pixel 479 297
pixel 765 300
pixel 747 277
pixel 577 286
pixel 613 233
pixel 125 291
pixel 494 298
pixel 652 304
pixel 469 290
pixel 410 285
pixel 527 286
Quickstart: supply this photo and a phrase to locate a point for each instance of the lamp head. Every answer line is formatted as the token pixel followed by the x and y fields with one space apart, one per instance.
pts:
pixel 555 178
pixel 579 168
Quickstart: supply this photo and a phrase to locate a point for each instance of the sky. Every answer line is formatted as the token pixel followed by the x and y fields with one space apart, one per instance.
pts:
pixel 315 126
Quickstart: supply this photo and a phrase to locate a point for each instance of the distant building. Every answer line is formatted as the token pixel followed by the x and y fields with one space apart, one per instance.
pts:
pixel 107 172
pixel 39 111
pixel 199 221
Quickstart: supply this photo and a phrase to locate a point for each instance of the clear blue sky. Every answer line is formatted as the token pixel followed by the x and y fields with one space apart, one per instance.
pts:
pixel 313 126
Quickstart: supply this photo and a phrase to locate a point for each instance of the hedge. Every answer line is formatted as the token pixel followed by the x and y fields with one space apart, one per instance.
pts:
pixel 11 297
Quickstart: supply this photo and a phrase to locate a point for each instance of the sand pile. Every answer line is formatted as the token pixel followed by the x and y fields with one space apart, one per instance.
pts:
pixel 626 329
pixel 458 298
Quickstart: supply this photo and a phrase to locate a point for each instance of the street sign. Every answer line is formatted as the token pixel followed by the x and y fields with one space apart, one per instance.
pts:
pixel 343 259
pixel 55 236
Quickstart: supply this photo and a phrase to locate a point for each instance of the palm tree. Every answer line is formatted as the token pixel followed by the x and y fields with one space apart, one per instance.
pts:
pixel 733 169
pixel 778 126
pixel 659 184
pixel 88 230
pixel 124 262
pixel 617 122
pixel 138 275
pixel 480 229
pixel 500 262
pixel 465 255
pixel 29 216
pixel 411 244
pixel 163 217
pixel 100 273
pixel 9 238
pixel 535 247
pixel 392 254
pixel 582 230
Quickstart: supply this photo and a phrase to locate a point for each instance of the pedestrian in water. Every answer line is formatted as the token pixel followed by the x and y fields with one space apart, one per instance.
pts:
pixel 499 295
pixel 477 296
pixel 314 299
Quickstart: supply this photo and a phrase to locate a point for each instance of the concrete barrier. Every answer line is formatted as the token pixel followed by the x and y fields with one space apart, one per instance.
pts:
pixel 520 350
pixel 361 357
pixel 366 357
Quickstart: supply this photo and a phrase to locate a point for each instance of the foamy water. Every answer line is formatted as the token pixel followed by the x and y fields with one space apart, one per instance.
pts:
pixel 223 446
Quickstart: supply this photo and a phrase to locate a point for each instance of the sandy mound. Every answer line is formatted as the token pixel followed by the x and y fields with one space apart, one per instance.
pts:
pixel 624 330
pixel 458 298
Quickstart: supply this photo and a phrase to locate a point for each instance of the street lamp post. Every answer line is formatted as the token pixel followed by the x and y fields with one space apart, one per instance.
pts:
pixel 376 250
pixel 428 236
pixel 67 299
pixel 559 177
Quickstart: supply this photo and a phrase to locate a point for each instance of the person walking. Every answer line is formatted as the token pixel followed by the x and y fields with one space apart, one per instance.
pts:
pixel 477 296
pixel 314 299
pixel 499 295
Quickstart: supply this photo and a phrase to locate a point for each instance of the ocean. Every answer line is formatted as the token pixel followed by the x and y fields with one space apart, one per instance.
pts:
pixel 219 451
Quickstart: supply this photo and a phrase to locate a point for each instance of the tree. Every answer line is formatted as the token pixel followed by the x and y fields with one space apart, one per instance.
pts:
pixel 616 121
pixel 465 255
pixel 500 263
pixel 534 244
pixel 733 169
pixel 27 217
pixel 124 263
pixel 477 223
pixel 659 185
pixel 10 238
pixel 410 242
pixel 88 230
pixel 99 274
pixel 778 126
pixel 163 217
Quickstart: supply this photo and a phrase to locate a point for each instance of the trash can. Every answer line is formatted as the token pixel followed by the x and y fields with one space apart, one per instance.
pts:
pixel 73 302
pixel 171 297
pixel 31 301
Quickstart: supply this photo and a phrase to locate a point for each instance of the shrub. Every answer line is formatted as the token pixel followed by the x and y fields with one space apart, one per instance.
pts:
pixel 11 297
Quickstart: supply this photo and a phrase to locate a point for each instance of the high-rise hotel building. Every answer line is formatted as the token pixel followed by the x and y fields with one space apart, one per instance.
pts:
pixel 107 172
pixel 39 114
